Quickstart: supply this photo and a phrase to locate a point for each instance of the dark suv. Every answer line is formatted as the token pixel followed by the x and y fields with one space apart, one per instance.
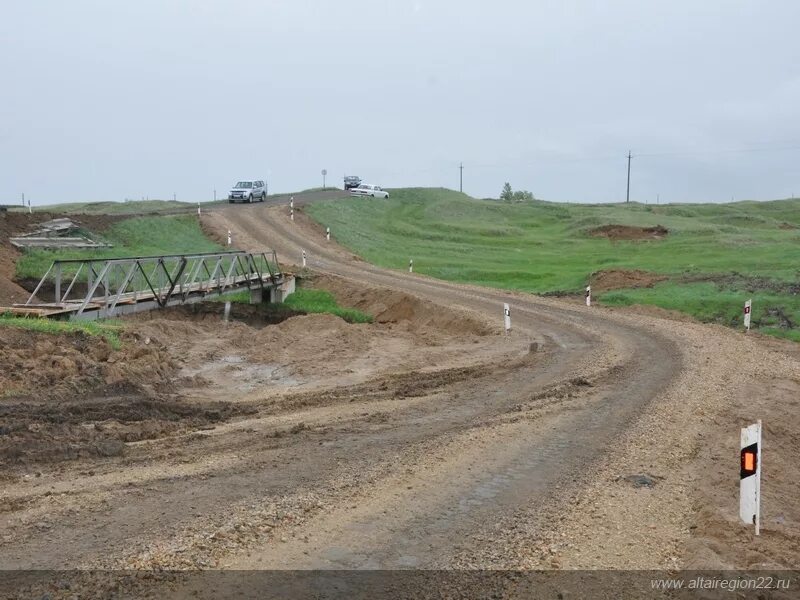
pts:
pixel 351 181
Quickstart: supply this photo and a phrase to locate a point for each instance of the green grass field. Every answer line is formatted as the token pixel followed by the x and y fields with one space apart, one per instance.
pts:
pixel 138 236
pixel 743 249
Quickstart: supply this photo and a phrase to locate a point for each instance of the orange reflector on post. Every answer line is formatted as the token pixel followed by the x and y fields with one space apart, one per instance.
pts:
pixel 749 461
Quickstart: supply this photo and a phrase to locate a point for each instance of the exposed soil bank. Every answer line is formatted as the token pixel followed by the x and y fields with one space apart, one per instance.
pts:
pixel 629 232
pixel 616 279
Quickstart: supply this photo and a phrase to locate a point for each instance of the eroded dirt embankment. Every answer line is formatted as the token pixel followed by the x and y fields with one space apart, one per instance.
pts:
pixel 72 396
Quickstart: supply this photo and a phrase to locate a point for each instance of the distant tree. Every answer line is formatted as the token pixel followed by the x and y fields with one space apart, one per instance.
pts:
pixel 507 195
pixel 523 196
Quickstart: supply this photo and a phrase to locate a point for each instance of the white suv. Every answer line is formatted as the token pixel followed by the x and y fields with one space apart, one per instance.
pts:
pixel 366 189
pixel 248 191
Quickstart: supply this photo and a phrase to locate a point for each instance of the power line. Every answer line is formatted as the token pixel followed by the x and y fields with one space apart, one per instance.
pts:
pixel 598 157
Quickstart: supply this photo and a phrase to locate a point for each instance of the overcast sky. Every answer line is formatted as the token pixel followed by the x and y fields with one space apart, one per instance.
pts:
pixel 111 100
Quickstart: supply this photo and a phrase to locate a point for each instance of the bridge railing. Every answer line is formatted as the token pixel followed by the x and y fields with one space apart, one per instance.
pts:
pixel 83 283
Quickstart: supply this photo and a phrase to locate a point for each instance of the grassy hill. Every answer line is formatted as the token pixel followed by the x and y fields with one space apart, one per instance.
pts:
pixel 137 236
pixel 714 256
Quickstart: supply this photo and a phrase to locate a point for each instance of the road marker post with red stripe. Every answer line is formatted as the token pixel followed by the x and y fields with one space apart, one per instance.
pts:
pixel 748 307
pixel 750 476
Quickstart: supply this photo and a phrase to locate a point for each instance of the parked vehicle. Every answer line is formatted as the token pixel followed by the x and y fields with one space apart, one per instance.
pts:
pixel 366 189
pixel 248 191
pixel 351 181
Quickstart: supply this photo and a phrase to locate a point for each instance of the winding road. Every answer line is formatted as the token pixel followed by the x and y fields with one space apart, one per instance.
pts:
pixel 608 370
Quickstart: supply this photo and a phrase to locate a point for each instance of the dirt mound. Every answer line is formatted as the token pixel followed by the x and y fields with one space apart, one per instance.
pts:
pixel 629 232
pixel 73 395
pixel 303 342
pixel 390 306
pixel 73 364
pixel 617 279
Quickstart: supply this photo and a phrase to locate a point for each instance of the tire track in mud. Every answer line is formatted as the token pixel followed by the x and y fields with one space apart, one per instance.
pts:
pixel 624 366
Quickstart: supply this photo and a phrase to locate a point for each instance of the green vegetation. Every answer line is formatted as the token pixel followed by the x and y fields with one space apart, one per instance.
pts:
pixel 742 250
pixel 139 236
pixel 305 301
pixel 237 298
pixel 106 329
pixel 320 301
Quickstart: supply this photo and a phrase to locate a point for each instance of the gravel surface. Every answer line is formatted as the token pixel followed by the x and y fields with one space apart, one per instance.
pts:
pixel 587 438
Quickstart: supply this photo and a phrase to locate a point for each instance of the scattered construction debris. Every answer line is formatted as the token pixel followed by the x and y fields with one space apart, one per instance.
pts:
pixel 56 233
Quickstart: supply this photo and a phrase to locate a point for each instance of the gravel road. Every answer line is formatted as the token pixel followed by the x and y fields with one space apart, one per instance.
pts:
pixel 430 440
pixel 605 373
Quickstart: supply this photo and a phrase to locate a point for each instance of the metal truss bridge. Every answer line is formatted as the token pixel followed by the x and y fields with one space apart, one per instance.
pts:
pixel 96 288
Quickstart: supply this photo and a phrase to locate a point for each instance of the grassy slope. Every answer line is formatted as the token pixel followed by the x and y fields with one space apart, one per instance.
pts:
pixel 141 236
pixel 543 247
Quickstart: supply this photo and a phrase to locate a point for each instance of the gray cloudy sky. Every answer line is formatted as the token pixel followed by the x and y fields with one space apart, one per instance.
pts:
pixel 107 100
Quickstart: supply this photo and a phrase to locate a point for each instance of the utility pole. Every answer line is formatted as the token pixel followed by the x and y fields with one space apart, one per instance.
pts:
pixel 461 177
pixel 628 193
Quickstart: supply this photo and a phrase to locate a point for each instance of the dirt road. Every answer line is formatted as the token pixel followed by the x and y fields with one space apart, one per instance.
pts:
pixel 647 394
pixel 611 372
pixel 429 439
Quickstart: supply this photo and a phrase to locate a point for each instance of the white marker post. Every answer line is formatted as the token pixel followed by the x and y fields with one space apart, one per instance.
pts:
pixel 30 210
pixel 328 233
pixel 750 476
pixel 291 214
pixel 291 203
pixel 230 237
pixel 748 306
pixel 410 265
pixel 304 258
pixel 588 295
pixel 507 317
pixel 198 209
